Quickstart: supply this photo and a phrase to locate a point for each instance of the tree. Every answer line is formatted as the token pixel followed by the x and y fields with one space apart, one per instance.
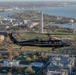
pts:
pixel 44 72
pixel 37 53
pixel 7 39
pixel 16 53
pixel 42 55
pixel 9 73
pixel 28 59
pixel 22 49
pixel 30 70
pixel 10 54
pixel 0 56
pixel 34 57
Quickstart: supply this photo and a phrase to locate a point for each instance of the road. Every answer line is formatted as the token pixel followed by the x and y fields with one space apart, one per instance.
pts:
pixel 39 72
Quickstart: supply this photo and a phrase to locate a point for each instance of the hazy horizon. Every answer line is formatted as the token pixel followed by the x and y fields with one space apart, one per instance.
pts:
pixel 35 0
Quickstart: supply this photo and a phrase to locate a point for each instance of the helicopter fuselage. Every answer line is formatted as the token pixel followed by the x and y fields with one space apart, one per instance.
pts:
pixel 40 42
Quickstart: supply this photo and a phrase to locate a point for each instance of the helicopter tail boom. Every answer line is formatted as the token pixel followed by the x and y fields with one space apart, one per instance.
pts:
pixel 12 38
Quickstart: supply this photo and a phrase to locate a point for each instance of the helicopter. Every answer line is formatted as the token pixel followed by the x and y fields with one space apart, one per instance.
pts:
pixel 41 42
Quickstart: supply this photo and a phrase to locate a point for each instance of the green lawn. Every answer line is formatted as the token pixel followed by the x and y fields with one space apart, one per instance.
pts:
pixel 31 35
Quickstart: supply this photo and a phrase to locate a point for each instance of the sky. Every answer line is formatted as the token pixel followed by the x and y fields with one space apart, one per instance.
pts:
pixel 37 0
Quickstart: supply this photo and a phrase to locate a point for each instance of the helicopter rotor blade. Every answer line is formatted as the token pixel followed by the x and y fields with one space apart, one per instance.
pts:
pixel 59 34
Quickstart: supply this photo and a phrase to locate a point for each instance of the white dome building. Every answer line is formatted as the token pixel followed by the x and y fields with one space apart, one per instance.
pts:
pixel 71 21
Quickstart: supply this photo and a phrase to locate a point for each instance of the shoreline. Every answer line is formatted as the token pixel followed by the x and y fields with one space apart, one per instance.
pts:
pixel 46 10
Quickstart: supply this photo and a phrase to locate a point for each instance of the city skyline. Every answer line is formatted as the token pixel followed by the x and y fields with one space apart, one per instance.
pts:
pixel 36 0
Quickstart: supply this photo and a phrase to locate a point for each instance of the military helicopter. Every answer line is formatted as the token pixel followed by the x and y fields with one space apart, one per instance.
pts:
pixel 40 42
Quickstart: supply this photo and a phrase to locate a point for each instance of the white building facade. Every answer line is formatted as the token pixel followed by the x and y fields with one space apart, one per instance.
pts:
pixel 10 63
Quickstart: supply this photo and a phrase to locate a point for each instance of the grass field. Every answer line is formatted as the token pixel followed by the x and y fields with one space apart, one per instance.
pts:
pixel 31 35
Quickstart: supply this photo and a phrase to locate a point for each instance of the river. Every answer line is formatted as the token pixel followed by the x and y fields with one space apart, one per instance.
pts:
pixel 69 11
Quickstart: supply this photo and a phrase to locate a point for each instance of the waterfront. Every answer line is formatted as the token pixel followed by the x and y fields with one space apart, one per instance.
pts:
pixel 72 26
pixel 69 11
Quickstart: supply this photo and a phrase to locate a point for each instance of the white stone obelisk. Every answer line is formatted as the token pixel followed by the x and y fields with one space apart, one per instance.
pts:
pixel 41 24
